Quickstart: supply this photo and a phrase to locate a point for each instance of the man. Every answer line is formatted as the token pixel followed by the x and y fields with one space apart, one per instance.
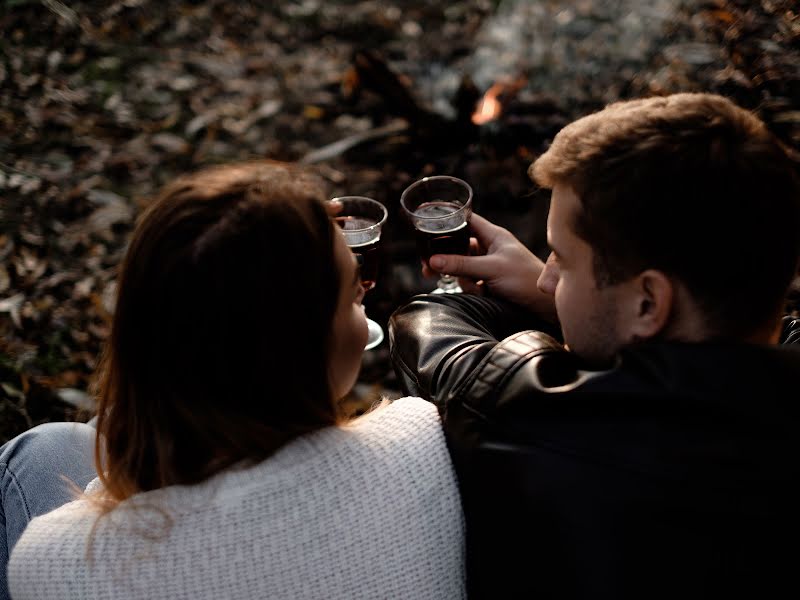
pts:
pixel 654 453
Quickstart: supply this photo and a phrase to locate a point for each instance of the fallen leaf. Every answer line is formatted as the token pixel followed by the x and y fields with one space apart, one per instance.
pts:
pixel 171 143
pixel 76 398
pixel 11 306
pixel 105 217
pixel 5 280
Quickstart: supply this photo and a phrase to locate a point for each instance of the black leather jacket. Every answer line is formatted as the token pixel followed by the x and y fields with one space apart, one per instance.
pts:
pixel 673 474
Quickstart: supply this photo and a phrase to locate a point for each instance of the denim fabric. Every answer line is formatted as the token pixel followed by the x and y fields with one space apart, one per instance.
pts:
pixel 36 469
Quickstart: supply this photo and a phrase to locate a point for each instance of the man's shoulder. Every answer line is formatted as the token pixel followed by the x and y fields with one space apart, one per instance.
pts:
pixel 532 373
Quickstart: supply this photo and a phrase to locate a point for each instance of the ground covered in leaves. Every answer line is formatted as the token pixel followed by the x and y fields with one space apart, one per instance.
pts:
pixel 102 102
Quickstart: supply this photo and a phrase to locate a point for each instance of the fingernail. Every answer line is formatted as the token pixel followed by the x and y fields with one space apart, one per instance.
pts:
pixel 437 262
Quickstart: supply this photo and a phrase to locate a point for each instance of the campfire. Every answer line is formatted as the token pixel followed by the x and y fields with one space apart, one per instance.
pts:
pixel 490 106
pixel 500 120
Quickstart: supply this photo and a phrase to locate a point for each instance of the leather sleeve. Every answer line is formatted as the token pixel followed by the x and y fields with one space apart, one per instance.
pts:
pixel 790 333
pixel 442 345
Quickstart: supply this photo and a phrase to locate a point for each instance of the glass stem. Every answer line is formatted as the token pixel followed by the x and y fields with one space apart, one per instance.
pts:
pixel 447 282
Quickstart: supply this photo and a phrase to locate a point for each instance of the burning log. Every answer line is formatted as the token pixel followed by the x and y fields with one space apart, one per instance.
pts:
pixel 497 120
pixel 373 73
pixel 490 107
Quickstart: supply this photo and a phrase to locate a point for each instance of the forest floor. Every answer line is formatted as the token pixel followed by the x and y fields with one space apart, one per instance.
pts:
pixel 101 103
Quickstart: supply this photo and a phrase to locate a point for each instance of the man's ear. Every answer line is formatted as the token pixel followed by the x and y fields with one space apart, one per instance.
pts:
pixel 652 305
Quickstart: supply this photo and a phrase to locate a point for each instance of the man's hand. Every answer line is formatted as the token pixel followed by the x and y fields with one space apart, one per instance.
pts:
pixel 501 265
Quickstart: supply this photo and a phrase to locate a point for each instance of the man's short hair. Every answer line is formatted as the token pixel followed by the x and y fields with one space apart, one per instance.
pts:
pixel 694 186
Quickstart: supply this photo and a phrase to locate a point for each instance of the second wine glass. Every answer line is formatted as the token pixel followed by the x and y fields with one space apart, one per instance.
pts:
pixel 361 220
pixel 439 208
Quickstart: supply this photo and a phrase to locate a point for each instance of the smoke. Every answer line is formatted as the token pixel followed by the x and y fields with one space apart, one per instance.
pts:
pixel 580 51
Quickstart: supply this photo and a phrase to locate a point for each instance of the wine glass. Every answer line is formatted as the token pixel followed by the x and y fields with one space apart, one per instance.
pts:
pixel 361 220
pixel 439 208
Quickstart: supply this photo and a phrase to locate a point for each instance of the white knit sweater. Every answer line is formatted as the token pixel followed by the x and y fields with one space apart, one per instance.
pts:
pixel 370 510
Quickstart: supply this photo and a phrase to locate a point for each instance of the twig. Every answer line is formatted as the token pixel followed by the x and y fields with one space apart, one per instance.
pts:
pixel 337 148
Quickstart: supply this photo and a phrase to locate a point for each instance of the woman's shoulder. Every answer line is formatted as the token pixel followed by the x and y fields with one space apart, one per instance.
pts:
pixel 72 521
pixel 403 420
pixel 51 539
pixel 397 430
pixel 79 510
pixel 408 410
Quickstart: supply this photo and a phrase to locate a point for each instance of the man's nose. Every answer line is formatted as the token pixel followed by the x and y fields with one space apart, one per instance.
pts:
pixel 548 278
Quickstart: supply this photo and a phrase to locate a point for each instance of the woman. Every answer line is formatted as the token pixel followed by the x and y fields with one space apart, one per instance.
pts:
pixel 226 469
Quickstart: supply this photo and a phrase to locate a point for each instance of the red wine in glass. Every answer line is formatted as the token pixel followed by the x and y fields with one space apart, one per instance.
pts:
pixel 368 250
pixel 439 208
pixel 440 236
pixel 361 220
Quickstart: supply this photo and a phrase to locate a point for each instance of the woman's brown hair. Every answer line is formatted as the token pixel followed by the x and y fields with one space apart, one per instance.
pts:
pixel 218 352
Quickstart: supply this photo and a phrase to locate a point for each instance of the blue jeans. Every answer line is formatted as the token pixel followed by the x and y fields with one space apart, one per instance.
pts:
pixel 33 469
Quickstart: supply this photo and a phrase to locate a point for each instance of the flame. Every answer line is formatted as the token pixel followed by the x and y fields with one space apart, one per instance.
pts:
pixel 489 107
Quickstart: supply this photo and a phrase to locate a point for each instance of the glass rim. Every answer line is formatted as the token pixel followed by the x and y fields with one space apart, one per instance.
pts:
pixel 369 200
pixel 464 207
